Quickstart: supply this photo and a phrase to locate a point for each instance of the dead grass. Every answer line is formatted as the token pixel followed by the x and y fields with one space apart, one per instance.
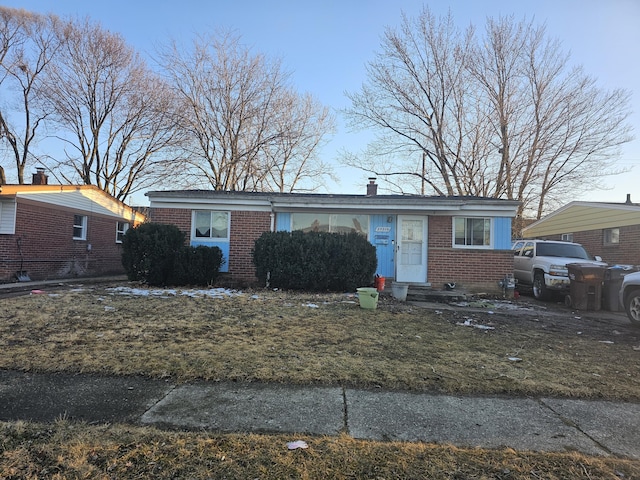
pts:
pixel 71 450
pixel 298 338
pixel 318 339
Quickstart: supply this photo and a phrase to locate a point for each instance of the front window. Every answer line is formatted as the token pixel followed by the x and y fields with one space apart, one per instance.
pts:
pixel 212 225
pixel 330 222
pixel 121 229
pixel 79 227
pixel 472 232
pixel 612 236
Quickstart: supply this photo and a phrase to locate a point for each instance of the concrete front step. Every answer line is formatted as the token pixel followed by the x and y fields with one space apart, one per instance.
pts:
pixel 418 293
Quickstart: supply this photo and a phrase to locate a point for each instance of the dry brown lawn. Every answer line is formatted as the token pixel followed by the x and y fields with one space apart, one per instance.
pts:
pixel 66 450
pixel 320 339
pixel 304 339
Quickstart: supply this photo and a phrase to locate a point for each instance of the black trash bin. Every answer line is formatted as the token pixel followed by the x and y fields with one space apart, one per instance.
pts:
pixel 585 289
pixel 612 282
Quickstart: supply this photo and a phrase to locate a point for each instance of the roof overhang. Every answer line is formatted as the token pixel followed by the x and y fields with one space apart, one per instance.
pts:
pixel 277 202
pixel 584 216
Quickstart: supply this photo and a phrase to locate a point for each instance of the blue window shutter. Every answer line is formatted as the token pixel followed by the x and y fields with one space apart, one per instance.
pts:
pixel 502 233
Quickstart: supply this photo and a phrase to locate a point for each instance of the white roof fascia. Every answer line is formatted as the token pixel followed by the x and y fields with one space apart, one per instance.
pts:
pixel 262 205
pixel 364 205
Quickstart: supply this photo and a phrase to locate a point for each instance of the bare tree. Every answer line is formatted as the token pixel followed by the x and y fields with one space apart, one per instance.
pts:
pixel 249 131
pixel 115 116
pixel 551 123
pixel 292 158
pixel 28 43
pixel 413 99
pixel 501 116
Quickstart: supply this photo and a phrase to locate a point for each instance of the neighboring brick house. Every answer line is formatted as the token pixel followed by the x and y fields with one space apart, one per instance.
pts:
pixel 418 240
pixel 609 230
pixel 61 231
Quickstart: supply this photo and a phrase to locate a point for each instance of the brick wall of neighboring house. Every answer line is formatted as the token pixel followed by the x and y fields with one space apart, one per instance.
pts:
pixel 245 229
pixel 49 250
pixel 627 252
pixel 474 270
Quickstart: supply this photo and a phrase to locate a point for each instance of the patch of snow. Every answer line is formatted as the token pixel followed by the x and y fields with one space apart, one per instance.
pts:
pixel 470 323
pixel 167 293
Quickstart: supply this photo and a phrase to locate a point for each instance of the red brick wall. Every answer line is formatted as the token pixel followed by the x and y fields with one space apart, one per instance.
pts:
pixel 475 270
pixel 179 217
pixel 627 252
pixel 246 228
pixel 49 251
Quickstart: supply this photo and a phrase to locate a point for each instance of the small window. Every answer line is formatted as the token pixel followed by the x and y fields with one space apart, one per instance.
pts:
pixel 121 229
pixel 79 227
pixel 567 237
pixel 472 232
pixel 211 225
pixel 611 236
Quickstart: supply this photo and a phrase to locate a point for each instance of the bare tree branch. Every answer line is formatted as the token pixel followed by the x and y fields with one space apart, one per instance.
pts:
pixel 119 118
pixel 249 129
pixel 502 115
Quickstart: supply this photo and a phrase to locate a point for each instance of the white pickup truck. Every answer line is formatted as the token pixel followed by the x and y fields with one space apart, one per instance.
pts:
pixel 542 264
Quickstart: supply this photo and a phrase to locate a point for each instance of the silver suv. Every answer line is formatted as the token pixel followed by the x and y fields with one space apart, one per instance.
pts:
pixel 630 296
pixel 543 264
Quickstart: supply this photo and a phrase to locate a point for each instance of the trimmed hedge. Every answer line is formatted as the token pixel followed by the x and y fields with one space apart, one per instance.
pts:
pixel 197 266
pixel 314 261
pixel 156 254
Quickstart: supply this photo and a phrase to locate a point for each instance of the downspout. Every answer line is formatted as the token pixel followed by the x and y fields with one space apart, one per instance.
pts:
pixel 273 217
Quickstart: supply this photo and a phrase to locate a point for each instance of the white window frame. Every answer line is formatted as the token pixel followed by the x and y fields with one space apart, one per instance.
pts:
pixel 82 226
pixel 474 247
pixel 567 237
pixel 210 239
pixel 121 229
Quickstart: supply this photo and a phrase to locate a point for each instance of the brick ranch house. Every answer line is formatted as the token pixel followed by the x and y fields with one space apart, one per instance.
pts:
pixel 609 230
pixel 61 231
pixel 419 240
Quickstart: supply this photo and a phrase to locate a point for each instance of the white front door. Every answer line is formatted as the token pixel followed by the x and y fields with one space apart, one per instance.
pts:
pixel 411 249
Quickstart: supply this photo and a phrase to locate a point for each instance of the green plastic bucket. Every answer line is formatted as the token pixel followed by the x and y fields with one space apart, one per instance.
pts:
pixel 368 298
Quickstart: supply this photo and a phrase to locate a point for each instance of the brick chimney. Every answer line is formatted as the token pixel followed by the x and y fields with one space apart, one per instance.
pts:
pixel 628 202
pixel 372 188
pixel 39 178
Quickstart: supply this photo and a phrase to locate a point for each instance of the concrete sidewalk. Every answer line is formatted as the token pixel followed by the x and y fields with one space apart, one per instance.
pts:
pixel 542 424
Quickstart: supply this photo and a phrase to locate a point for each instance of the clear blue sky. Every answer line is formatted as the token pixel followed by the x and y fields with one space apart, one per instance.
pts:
pixel 326 43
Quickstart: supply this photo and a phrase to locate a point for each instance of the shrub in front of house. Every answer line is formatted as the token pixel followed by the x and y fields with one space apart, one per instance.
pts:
pixel 197 266
pixel 149 250
pixel 155 253
pixel 314 261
